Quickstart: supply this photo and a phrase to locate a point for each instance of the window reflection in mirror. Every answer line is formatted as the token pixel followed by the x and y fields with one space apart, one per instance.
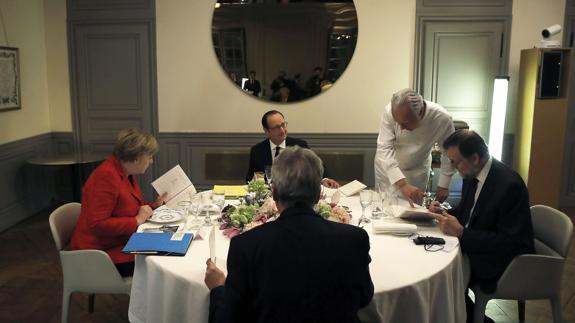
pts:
pixel 284 50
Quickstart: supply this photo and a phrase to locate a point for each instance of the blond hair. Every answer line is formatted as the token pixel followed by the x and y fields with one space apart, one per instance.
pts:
pixel 131 143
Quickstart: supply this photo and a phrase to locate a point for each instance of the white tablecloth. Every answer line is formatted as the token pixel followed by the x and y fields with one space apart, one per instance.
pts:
pixel 411 284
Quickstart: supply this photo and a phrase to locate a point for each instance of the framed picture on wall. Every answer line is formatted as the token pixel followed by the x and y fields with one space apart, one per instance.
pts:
pixel 9 79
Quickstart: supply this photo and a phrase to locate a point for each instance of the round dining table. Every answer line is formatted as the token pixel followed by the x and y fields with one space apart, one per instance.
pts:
pixel 411 284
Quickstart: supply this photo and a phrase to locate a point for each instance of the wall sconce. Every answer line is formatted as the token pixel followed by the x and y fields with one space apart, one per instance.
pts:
pixel 498 110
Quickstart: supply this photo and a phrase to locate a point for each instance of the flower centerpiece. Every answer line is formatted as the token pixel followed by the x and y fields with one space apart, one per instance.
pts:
pixel 258 190
pixel 332 212
pixel 238 219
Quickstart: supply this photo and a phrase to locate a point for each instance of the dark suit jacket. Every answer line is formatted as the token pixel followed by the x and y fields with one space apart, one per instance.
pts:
pixel 255 88
pixel 299 268
pixel 261 155
pixel 500 226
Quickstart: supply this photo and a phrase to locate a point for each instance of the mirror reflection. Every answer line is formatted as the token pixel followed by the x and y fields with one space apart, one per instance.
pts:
pixel 284 50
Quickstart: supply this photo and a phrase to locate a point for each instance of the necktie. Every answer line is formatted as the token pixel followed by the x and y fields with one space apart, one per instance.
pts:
pixel 468 200
pixel 277 151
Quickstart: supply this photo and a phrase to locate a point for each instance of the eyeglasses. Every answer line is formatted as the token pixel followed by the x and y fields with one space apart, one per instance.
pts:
pixel 281 125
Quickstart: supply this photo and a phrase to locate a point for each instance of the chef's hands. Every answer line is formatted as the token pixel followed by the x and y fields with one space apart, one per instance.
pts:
pixel 328 182
pixel 144 213
pixel 214 276
pixel 411 193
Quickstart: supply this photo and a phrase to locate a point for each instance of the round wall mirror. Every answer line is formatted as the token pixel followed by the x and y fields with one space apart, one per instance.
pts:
pixel 284 50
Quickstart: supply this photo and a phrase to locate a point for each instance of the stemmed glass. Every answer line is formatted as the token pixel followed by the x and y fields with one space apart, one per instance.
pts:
pixel 208 209
pixel 195 222
pixel 377 200
pixel 268 174
pixel 365 200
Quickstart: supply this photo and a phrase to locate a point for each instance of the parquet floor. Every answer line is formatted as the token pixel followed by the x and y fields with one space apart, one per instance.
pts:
pixel 31 284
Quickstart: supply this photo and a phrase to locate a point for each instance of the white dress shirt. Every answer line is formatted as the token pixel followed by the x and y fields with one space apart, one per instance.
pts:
pixel 481 177
pixel 407 154
pixel 273 148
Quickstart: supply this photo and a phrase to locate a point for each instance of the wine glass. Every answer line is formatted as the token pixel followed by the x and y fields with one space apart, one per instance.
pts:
pixel 376 210
pixel 365 200
pixel 195 222
pixel 390 201
pixel 268 175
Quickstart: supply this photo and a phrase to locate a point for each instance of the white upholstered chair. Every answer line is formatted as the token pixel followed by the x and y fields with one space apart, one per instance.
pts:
pixel 534 276
pixel 88 271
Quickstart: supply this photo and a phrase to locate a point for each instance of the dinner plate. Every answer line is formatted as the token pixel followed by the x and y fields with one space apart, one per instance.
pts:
pixel 165 216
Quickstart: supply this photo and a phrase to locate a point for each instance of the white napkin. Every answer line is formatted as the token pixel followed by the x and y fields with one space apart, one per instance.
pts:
pixel 392 227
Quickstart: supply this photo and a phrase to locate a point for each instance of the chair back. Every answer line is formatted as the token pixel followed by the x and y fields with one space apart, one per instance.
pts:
pixel 552 230
pixel 63 222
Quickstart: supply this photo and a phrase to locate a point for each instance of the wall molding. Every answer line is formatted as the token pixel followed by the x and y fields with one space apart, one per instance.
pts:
pixel 27 190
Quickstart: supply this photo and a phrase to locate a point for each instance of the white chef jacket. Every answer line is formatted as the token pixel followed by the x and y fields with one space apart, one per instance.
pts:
pixel 407 154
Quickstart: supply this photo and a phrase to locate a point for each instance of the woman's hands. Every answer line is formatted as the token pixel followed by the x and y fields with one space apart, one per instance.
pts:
pixel 144 214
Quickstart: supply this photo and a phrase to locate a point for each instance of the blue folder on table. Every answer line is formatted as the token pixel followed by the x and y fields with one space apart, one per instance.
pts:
pixel 157 244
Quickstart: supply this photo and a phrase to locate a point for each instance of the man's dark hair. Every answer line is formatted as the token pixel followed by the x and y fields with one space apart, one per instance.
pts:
pixel 252 72
pixel 468 142
pixel 266 115
pixel 318 68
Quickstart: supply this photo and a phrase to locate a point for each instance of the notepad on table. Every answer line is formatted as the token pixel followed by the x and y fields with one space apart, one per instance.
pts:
pixel 231 190
pixel 157 244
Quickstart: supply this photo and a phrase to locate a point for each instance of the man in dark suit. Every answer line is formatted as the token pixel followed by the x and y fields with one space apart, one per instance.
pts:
pixel 252 85
pixel 298 268
pixel 492 221
pixel 264 153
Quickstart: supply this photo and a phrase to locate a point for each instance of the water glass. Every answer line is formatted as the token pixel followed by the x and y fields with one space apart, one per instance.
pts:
pixel 365 200
pixel 183 208
pixel 195 222
pixel 219 199
pixel 390 201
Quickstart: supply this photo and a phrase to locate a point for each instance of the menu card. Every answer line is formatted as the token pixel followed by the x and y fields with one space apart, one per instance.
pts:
pixel 177 184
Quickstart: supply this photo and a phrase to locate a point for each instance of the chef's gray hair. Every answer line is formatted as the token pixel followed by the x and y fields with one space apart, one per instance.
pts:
pixel 296 174
pixel 409 98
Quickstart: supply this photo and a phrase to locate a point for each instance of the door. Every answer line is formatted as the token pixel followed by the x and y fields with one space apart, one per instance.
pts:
pixel 458 62
pixel 113 78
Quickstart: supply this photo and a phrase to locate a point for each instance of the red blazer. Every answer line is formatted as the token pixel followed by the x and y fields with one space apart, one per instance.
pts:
pixel 110 203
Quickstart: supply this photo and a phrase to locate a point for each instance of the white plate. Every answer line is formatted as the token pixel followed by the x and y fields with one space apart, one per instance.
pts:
pixel 165 216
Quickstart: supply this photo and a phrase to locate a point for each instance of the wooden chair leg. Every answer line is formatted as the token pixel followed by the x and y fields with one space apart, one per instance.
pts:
pixel 521 311
pixel 91 303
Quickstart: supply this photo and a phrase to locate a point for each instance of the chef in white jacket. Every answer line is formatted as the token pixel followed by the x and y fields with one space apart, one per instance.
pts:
pixel 410 126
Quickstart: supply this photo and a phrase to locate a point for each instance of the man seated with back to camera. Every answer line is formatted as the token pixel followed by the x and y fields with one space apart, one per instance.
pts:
pixel 492 220
pixel 299 268
pixel 263 154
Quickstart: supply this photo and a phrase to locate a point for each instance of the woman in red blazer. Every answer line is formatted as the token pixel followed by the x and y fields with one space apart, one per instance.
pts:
pixel 112 204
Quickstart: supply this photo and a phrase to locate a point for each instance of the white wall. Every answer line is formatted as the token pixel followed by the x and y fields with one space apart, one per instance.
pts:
pixel 57 65
pixel 194 94
pixel 24 21
pixel 530 17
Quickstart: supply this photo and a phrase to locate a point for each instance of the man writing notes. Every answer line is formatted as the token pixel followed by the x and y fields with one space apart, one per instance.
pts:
pixel 492 221
pixel 299 268
pixel 264 153
pixel 409 128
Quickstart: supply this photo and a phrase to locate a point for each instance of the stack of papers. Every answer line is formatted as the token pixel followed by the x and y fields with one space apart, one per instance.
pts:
pixel 231 191
pixel 158 244
pixel 352 188
pixel 412 213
